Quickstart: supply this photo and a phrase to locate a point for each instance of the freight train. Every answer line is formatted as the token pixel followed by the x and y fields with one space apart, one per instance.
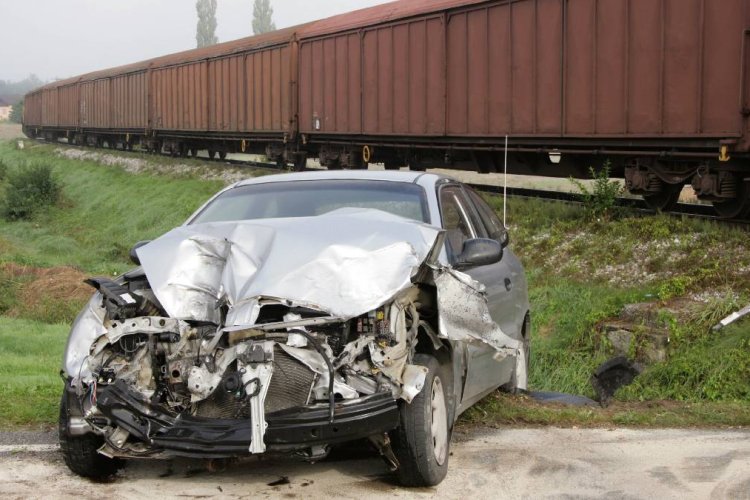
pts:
pixel 658 88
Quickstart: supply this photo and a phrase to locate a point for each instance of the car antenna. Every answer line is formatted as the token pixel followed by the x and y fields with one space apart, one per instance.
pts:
pixel 505 187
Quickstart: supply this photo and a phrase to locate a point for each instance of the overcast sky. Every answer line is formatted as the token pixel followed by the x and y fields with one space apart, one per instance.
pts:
pixel 63 38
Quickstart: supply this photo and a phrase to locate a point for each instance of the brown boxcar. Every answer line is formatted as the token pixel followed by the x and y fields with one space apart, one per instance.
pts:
pixel 657 87
pixel 130 101
pixel 528 68
pixel 376 71
pixel 32 109
pixel 49 107
pixel 96 104
pixel 67 105
pixel 228 89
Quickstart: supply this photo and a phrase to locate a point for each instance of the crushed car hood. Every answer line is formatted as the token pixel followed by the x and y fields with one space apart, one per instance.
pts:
pixel 344 263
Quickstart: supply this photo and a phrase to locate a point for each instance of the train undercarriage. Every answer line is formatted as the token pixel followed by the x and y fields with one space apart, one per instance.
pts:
pixel 716 174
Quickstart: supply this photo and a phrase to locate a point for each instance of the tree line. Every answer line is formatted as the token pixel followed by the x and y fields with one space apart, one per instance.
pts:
pixel 205 35
pixel 13 92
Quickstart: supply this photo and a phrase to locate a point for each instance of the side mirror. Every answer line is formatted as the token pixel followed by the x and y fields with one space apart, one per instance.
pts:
pixel 134 255
pixel 480 252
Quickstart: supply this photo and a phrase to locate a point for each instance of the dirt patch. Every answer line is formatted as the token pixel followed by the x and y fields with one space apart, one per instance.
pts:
pixel 47 294
pixel 10 131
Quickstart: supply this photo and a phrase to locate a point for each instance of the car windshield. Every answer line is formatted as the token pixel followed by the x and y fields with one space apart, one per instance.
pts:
pixel 312 198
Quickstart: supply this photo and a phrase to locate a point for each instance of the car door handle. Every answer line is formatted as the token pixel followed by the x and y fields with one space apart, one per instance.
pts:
pixel 508 284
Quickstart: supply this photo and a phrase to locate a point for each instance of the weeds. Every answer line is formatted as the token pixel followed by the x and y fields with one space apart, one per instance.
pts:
pixel 29 190
pixel 581 272
pixel 600 201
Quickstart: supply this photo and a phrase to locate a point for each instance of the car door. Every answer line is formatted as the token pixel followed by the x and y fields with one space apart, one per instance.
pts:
pixel 485 369
pixel 509 301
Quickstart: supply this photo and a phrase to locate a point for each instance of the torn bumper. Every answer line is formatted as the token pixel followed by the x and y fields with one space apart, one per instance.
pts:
pixel 289 430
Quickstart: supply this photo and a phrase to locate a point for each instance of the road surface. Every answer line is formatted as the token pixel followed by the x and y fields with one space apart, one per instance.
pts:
pixel 497 463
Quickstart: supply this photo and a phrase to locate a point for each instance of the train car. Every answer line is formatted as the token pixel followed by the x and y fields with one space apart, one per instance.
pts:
pixel 232 97
pixel 657 88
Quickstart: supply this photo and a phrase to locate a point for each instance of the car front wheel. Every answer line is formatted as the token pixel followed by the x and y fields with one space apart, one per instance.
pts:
pixel 81 452
pixel 423 437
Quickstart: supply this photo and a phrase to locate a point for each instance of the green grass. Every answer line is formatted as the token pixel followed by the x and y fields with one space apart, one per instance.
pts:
pixel 105 211
pixel 30 384
pixel 565 256
pixel 502 410
pixel 581 273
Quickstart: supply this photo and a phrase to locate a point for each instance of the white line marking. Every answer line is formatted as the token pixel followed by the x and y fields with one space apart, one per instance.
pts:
pixel 28 448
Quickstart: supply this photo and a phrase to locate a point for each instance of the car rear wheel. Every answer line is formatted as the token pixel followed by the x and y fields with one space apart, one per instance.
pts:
pixel 80 452
pixel 423 437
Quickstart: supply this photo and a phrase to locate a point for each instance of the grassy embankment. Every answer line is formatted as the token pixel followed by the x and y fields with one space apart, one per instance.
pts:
pixel 581 272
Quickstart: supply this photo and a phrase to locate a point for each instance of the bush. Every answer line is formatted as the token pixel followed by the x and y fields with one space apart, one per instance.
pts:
pixel 16 114
pixel 600 201
pixel 29 190
pixel 3 170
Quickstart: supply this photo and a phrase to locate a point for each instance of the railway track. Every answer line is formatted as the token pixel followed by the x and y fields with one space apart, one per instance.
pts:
pixel 693 210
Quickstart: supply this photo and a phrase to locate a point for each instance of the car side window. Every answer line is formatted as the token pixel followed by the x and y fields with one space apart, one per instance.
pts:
pixel 490 220
pixel 456 219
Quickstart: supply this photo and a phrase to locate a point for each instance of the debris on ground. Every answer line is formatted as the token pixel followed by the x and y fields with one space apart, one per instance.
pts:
pixel 611 376
pixel 732 318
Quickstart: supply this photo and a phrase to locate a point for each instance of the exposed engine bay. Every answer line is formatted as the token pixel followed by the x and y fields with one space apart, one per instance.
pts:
pixel 196 355
pixel 292 357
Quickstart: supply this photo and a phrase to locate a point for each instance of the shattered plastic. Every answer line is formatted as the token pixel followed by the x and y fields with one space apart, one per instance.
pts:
pixel 464 315
pixel 88 326
pixel 348 285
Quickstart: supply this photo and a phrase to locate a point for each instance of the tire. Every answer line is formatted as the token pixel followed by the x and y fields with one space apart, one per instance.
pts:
pixel 80 452
pixel 423 429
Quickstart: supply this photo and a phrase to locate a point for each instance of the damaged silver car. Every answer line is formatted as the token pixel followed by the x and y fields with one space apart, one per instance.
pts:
pixel 295 312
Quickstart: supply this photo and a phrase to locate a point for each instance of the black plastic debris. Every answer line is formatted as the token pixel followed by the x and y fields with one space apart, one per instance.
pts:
pixel 610 376
pixel 280 481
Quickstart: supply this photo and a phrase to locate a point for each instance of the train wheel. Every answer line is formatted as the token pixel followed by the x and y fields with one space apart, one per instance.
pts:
pixel 300 162
pixel 738 207
pixel 194 152
pixel 222 155
pixel 666 200
pixel 211 154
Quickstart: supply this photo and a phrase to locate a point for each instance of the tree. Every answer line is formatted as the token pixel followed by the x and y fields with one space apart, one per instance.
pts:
pixel 206 32
pixel 16 114
pixel 263 17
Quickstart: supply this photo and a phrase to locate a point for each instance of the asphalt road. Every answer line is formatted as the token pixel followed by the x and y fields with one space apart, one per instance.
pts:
pixel 503 463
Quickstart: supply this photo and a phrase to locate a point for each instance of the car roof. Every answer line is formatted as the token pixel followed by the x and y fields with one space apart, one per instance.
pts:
pixel 390 176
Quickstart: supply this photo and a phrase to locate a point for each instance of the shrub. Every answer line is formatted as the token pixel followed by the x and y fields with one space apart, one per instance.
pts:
pixel 28 190
pixel 600 202
pixel 3 170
